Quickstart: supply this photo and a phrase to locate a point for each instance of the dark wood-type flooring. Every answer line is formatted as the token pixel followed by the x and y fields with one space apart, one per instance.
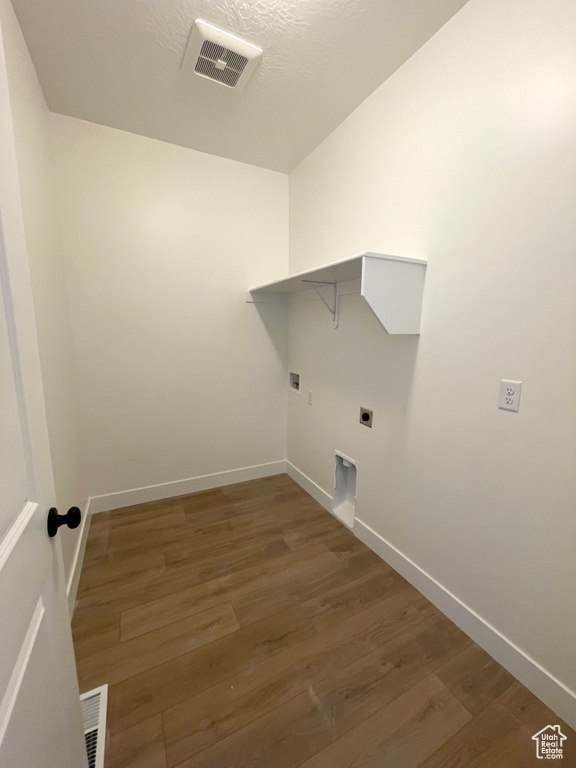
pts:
pixel 244 626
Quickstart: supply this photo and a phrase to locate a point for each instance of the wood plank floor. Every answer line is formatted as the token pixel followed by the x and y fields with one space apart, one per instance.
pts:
pixel 244 626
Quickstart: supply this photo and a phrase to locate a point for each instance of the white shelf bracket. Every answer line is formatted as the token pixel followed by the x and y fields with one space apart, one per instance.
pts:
pixel 332 309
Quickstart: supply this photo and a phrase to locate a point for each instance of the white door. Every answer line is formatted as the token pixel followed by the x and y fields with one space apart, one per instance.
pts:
pixel 40 721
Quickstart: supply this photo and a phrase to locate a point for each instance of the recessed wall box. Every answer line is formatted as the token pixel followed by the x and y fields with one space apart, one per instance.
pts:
pixel 344 499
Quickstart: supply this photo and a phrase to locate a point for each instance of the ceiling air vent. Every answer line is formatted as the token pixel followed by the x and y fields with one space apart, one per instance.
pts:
pixel 219 56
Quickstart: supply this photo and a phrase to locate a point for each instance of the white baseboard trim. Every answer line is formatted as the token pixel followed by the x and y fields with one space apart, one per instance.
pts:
pixel 76 569
pixel 182 487
pixel 317 493
pixel 531 674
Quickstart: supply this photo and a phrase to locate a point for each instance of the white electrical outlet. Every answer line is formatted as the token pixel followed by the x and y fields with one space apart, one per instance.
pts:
pixel 510 392
pixel 310 397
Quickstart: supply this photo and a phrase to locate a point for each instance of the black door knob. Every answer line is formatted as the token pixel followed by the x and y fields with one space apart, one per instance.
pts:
pixel 72 519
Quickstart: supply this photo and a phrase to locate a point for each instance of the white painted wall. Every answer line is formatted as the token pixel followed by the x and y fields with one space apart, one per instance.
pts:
pixel 30 116
pixel 466 157
pixel 179 378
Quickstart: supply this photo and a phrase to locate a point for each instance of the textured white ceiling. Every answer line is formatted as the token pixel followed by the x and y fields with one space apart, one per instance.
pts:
pixel 118 63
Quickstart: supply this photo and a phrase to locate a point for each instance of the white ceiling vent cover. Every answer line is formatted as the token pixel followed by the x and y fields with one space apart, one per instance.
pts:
pixel 219 56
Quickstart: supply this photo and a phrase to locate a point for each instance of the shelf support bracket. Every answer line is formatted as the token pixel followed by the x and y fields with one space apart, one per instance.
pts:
pixel 332 309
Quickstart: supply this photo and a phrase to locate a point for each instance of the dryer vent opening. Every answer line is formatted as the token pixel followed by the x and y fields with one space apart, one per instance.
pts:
pixel 344 499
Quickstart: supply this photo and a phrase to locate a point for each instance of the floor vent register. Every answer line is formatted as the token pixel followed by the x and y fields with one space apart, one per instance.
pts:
pixel 93 705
